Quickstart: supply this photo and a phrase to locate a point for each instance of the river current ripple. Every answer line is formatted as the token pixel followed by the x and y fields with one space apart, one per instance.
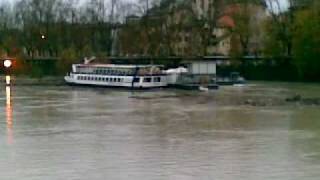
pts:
pixel 61 132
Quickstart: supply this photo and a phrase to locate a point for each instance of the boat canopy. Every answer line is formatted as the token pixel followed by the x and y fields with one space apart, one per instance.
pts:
pixel 113 69
pixel 118 66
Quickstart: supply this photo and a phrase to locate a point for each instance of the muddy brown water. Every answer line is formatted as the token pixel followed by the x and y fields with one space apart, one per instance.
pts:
pixel 61 132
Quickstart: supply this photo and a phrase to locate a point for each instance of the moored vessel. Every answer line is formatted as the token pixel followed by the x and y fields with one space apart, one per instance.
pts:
pixel 113 75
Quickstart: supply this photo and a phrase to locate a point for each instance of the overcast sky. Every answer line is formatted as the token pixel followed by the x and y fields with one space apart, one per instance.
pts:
pixel 75 0
pixel 284 2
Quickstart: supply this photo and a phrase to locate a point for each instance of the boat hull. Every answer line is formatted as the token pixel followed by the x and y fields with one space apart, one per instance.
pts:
pixel 73 81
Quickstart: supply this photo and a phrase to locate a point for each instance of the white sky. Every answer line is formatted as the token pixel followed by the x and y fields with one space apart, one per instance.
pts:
pixel 284 2
pixel 1 1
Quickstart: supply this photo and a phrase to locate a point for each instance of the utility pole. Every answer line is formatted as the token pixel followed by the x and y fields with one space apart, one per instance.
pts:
pixel 147 29
pixel 113 28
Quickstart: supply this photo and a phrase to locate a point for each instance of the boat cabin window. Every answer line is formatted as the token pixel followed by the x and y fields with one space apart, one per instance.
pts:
pixel 136 80
pixel 148 79
pixel 157 79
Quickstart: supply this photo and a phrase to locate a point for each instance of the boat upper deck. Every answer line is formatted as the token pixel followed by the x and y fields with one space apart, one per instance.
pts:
pixel 117 66
pixel 120 70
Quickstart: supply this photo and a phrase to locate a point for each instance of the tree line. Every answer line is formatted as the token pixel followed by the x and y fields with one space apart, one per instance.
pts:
pixel 69 29
pixel 47 28
pixel 294 34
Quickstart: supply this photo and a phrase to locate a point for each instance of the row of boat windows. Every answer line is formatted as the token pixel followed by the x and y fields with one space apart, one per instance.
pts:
pixel 149 79
pixel 106 72
pixel 103 79
pixel 118 71
pixel 106 79
pixel 115 73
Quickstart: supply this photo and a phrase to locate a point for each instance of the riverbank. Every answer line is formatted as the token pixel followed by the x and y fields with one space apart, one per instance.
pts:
pixel 21 80
pixel 294 94
pixel 27 81
pixel 251 69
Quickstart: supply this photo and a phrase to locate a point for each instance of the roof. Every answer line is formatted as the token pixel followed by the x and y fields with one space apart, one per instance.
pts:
pixel 226 21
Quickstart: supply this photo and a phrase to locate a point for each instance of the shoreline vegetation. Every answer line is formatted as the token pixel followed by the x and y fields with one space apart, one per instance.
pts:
pixel 60 33
pixel 252 69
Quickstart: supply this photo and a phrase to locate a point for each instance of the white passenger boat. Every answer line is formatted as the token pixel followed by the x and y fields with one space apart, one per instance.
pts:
pixel 111 75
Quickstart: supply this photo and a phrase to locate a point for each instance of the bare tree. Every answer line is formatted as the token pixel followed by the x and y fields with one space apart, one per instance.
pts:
pixel 282 24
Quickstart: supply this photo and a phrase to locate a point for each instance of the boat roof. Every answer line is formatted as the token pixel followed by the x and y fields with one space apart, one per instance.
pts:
pixel 117 66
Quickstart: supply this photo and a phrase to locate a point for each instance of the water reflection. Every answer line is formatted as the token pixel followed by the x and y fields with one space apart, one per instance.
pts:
pixel 8 80
pixel 9 111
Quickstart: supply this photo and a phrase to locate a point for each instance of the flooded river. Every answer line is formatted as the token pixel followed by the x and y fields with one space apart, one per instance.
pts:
pixel 241 133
